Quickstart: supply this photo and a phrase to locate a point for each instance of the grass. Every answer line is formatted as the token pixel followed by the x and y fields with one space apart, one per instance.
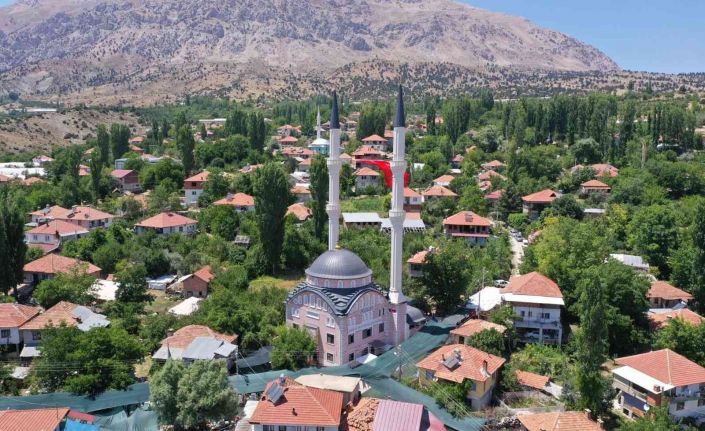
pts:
pixel 162 302
pixel 142 369
pixel 287 280
pixel 363 204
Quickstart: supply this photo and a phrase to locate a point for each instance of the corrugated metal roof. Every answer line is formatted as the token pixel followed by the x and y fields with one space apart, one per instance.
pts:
pixel 397 416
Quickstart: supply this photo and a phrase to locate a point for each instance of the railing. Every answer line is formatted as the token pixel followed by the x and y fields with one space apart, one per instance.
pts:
pixel 624 387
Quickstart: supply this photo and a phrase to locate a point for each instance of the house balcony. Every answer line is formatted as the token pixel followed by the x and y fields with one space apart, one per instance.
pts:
pixel 628 389
pixel 538 323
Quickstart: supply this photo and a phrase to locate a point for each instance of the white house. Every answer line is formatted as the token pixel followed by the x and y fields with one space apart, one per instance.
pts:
pixel 166 223
pixel 12 316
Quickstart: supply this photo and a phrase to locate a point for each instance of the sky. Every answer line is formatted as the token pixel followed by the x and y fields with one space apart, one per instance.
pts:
pixel 651 35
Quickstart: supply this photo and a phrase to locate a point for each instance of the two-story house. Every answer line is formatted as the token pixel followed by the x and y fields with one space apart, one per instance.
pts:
pixel 660 378
pixel 377 142
pixel 167 223
pixel 366 177
pixel 49 235
pixel 193 187
pixel 289 406
pixel 534 203
pixel 242 202
pixel 459 363
pixel 12 317
pixel 664 295
pixel 559 421
pixel 537 301
pixel 127 179
pixel 469 226
pixel 437 192
pixel 197 284
pixel 62 312
pixel 84 216
pixel 594 187
pixel 49 265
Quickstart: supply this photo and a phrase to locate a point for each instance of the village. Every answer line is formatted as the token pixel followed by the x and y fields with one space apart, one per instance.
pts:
pixel 469 265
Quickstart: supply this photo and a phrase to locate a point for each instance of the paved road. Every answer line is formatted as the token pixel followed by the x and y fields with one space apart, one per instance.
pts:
pixel 517 255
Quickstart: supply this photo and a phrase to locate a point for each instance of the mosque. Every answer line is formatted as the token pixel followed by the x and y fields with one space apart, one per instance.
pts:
pixel 339 303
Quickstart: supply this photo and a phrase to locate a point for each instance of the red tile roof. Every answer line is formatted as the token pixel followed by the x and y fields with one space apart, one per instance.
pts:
pixel 121 173
pixel 467 218
pixel 288 140
pixel 659 320
pixel 44 247
pixel 54 211
pixel 602 169
pixel 666 366
pixel 300 405
pixel 58 227
pixel 47 419
pixel 410 193
pixel 661 289
pixel 54 264
pixel 494 196
pixel 374 138
pixel 469 368
pixel 204 274
pixel 458 158
pixel 166 219
pixel 60 312
pixel 474 326
pixel 300 190
pixel 366 150
pixel 15 315
pixel 444 179
pixel 559 421
pixel 32 180
pixel 200 177
pixel 184 336
pixel 361 416
pixel 487 176
pixel 543 197
pixel 533 284
pixel 366 171
pixel 238 200
pixel 595 184
pixel 438 191
pixel 300 211
pixel 418 258
pixel 84 213
pixel 536 381
pixel 493 164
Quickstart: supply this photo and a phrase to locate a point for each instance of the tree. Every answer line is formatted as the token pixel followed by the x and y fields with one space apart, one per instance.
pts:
pixel 566 206
pixel 96 168
pixel 12 247
pixel 204 394
pixel 698 288
pixel 489 341
pixel 221 220
pixel 319 195
pixel 215 187
pixel 103 144
pixel 75 286
pixel 163 389
pixel 658 419
pixel 684 338
pixel 293 348
pixel 586 151
pixel 119 139
pixel 347 180
pixel 203 131
pixel 373 120
pixel 456 116
pixel 272 199
pixel 653 233
pixel 445 277
pixel 93 361
pixel 186 144
pixel 256 131
pixel 132 284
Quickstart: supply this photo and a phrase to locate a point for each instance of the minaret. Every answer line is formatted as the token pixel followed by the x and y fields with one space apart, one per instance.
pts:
pixel 318 124
pixel 333 206
pixel 396 217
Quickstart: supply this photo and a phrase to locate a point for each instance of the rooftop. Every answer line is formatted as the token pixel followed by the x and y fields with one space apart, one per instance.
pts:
pixel 58 227
pixel 300 211
pixel 533 284
pixel 474 326
pixel 467 218
pixel 54 264
pixel 200 177
pixel 340 299
pixel 69 313
pixel 444 179
pixel 166 219
pixel 339 265
pixel 237 199
pixel 438 191
pixel 121 173
pixel 559 421
pixel 665 366
pixel 374 138
pixel 543 197
pixel 366 171
pixel 330 382
pixel 468 363
pixel 662 289
pixel 46 419
pixel 15 315
pixel 595 184
pixel 532 380
pixel 184 336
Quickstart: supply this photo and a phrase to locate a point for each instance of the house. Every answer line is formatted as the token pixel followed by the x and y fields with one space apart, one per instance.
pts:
pixel 298 153
pixel 664 295
pixel 49 235
pixel 437 192
pixel 493 198
pixel 241 201
pixel 457 161
pixel 659 378
pixel 471 327
pixel 534 203
pixel 413 200
pixel 12 317
pixel 374 414
pixel 351 387
pixel 443 180
pixel 30 181
pixel 362 220
pixel 412 223
pixel 600 169
pixel 299 177
pixel 167 223
pixel 49 265
pixel 83 171
pixel 458 363
pixel 61 313
pixel 635 262
pixel 487 176
pixel 494 165
pixel 300 211
pixel 194 342
pixel 533 381
pixel 127 179
pixel 593 187
pixel 193 187
pixel 44 419
pixel 537 301
pixel 558 421
pixel 346 158
pixel 301 192
pixel 366 152
pixel 249 169
pixel 366 177
pixel 84 216
pixel 287 142
pixel 468 225
pixel 197 284
pixel 377 142
pixel 41 160
pixel 417 262
pixel 288 405
pixel 289 130
pixel 659 318
pixel 304 165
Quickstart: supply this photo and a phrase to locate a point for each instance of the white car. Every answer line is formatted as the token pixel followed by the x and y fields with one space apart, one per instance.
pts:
pixel 525 242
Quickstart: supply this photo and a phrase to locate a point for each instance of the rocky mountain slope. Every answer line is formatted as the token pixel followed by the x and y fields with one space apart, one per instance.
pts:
pixel 111 48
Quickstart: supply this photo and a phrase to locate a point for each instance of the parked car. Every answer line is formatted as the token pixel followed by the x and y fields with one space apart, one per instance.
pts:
pixel 501 283
pixel 525 242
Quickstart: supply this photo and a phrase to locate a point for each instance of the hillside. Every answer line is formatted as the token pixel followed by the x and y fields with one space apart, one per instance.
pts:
pixel 154 48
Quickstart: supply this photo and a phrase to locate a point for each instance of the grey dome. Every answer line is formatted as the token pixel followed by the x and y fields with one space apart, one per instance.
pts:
pixel 338 264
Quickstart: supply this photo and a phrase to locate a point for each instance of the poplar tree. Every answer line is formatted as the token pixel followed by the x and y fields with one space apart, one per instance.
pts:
pixel 319 195
pixel 103 147
pixel 272 198
pixel 185 143
pixel 12 247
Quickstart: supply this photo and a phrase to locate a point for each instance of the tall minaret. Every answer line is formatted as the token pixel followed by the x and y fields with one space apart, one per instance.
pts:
pixel 333 206
pixel 396 217
pixel 318 124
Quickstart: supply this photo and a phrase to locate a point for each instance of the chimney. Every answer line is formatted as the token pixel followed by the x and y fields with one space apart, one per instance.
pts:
pixel 282 379
pixel 229 196
pixel 468 216
pixel 484 367
pixel 657 388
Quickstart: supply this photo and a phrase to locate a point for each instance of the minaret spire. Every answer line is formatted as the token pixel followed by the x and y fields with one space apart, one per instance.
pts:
pixel 318 124
pixel 396 217
pixel 333 206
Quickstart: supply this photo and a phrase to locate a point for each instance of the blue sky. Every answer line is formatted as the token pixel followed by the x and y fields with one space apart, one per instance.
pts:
pixel 651 35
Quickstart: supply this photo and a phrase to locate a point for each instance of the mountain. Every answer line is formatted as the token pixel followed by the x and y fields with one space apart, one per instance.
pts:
pixel 151 48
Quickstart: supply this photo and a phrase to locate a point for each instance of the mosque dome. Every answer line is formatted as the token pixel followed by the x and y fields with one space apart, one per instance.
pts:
pixel 320 142
pixel 338 264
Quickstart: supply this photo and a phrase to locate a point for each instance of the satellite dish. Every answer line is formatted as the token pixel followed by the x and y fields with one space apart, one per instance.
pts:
pixel 646 407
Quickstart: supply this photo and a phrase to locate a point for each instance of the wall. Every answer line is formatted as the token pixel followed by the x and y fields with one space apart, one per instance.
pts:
pixel 14 337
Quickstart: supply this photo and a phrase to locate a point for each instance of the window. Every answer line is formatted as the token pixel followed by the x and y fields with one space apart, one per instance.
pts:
pixel 268 428
pixel 312 315
pixel 701 402
pixel 295 312
pixel 523 313
pixel 320 429
pixel 381 327
pixel 282 427
pixel 367 333
pixel 351 357
pixel 295 326
pixel 330 322
pixel 330 338
pixel 545 315
pixel 680 405
pixel 351 338
pixel 329 357
pixel 36 335
pixel 429 374
pixel 531 313
pixel 5 333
